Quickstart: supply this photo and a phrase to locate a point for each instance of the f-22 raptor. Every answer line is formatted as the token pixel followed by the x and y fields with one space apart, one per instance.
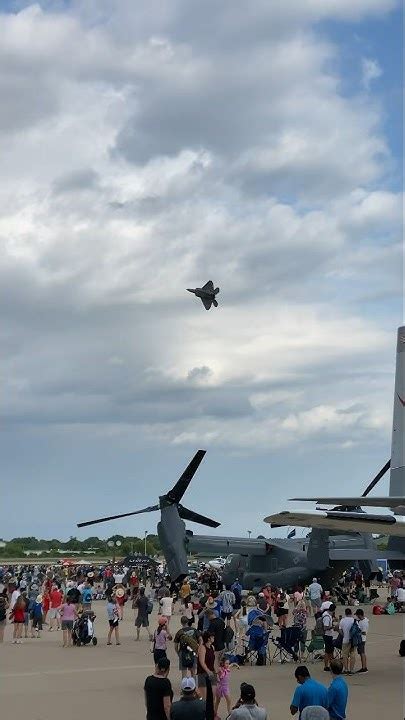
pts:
pixel 206 294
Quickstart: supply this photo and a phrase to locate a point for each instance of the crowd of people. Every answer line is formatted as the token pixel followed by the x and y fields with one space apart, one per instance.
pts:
pixel 221 629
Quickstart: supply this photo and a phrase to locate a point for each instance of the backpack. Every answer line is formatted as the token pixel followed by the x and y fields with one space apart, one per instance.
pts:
pixel 355 635
pixel 188 649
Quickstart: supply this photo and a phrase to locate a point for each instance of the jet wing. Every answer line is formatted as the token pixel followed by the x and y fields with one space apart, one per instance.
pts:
pixel 208 287
pixel 341 521
pixel 206 302
pixel 389 502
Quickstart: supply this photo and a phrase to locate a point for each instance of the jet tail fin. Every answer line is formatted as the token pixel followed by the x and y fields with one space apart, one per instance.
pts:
pixel 397 473
pixel 318 549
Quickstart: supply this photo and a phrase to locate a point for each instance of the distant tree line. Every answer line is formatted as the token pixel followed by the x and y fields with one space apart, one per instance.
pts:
pixel 18 546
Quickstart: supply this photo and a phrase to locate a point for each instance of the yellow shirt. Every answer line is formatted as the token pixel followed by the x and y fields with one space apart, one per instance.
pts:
pixel 185 590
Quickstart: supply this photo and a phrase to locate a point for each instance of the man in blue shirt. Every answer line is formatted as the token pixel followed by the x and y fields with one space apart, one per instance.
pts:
pixel 308 692
pixel 337 692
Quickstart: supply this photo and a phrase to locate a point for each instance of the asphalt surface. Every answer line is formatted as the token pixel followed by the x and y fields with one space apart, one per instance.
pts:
pixel 40 680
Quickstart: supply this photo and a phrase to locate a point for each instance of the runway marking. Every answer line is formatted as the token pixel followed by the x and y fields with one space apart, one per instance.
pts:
pixel 77 670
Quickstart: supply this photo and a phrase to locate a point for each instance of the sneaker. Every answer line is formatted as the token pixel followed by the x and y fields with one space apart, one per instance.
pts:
pixel 326 669
pixel 362 670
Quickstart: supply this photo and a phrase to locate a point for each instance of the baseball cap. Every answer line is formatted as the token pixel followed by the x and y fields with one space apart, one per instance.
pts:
pixel 188 684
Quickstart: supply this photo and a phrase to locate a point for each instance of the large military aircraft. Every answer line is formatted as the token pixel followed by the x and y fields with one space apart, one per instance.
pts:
pixel 347 513
pixel 206 294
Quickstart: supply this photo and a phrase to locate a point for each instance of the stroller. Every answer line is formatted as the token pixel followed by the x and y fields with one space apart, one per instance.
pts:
pixel 83 630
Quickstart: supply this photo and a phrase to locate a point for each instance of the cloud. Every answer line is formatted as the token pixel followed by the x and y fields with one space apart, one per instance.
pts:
pixel 371 70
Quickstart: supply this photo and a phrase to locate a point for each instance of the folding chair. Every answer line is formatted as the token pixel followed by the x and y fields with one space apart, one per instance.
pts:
pixel 315 648
pixel 256 649
pixel 287 645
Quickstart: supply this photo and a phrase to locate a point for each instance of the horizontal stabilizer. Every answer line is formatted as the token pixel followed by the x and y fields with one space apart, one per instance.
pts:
pixel 389 502
pixel 341 521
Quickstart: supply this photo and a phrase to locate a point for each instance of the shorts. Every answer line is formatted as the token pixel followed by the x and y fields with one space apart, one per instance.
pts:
pixel 142 621
pixel 361 648
pixel 113 623
pixel 158 654
pixel 347 649
pixel 329 647
pixel 67 624
pixel 202 680
pixel 54 613
pixel 316 603
pixel 226 615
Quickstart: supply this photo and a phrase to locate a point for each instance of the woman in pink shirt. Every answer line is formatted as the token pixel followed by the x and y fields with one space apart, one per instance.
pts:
pixel 68 614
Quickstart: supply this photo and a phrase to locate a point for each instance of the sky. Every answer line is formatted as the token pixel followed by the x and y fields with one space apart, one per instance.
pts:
pixel 147 148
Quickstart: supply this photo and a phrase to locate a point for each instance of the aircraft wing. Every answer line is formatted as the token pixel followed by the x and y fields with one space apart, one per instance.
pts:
pixel 341 521
pixel 206 302
pixel 389 502
pixel 208 287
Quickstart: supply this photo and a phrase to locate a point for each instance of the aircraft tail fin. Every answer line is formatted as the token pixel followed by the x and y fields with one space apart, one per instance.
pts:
pixel 397 473
pixel 318 549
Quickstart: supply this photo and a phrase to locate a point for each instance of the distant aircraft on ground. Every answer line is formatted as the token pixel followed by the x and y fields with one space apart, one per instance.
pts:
pixel 206 294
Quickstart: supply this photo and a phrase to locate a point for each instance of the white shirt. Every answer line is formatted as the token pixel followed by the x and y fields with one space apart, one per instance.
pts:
pixel 118 577
pixel 327 624
pixel 363 625
pixel 14 595
pixel 166 605
pixel 401 594
pixel 345 625
pixel 326 605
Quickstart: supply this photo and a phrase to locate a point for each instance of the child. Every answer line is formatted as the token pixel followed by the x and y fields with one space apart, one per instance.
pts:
pixel 222 688
pixel 160 638
pixel 36 616
pixel 113 620
pixel 17 615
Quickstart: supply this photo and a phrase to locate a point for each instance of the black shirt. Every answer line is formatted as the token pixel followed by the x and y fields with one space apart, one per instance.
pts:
pixel 188 709
pixel 142 605
pixel 217 627
pixel 156 688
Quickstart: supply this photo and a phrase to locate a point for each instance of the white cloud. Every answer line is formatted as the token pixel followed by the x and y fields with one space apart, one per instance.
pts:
pixel 371 70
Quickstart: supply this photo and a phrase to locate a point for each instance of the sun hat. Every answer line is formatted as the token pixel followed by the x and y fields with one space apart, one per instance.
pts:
pixel 188 684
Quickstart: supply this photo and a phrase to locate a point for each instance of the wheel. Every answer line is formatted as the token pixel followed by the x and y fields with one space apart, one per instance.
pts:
pixel 94 641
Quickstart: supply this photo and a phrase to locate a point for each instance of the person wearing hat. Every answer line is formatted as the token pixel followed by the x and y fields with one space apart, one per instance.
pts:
pixel 35 610
pixel 160 638
pixel 247 708
pixel 190 706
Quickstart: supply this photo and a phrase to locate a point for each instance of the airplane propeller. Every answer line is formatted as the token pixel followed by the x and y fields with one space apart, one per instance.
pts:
pixel 173 497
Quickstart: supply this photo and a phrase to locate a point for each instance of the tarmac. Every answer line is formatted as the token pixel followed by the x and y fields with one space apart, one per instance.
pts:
pixel 41 680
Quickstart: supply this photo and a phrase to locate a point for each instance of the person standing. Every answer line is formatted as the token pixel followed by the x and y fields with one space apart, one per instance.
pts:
pixel 17 616
pixel 185 592
pixel 217 628
pixel 55 602
pixel 247 708
pixel 190 706
pixel 36 616
pixel 337 692
pixel 327 623
pixel 68 614
pixel 113 620
pixel 166 607
pixel 309 692
pixel 160 638
pixel 315 591
pixel 363 624
pixel 142 619
pixel 227 598
pixel 158 692
pixel 348 656
pixel 206 663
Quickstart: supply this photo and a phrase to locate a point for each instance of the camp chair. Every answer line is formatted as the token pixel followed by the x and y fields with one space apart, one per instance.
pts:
pixel 256 649
pixel 287 645
pixel 315 648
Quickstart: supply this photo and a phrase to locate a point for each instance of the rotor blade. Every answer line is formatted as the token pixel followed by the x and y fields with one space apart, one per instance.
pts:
pixel 377 478
pixel 177 492
pixel 151 508
pixel 187 514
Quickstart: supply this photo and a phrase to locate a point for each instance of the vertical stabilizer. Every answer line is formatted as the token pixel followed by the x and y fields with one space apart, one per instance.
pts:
pixel 397 474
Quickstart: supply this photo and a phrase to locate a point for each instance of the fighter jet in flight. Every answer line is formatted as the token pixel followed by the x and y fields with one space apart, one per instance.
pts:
pixel 206 294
